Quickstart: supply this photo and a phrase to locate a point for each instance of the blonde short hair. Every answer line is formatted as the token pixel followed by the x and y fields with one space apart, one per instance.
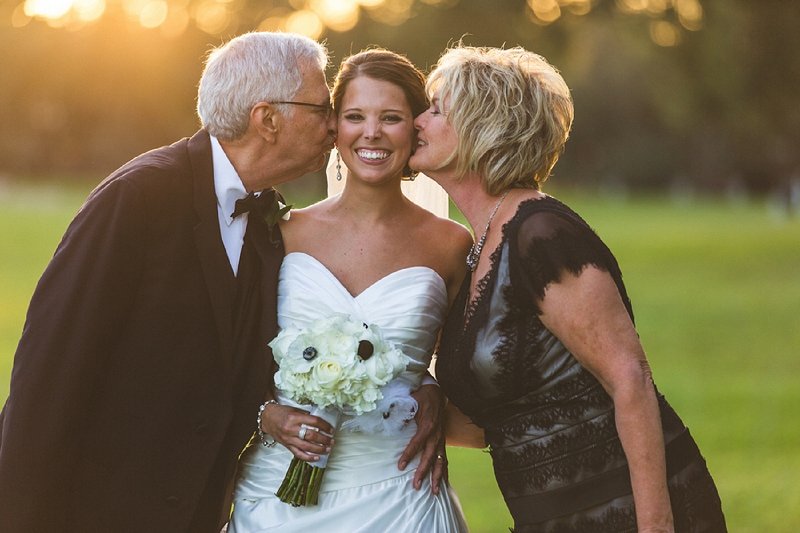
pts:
pixel 512 112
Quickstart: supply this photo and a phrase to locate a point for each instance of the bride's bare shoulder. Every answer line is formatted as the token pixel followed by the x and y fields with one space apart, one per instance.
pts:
pixel 306 224
pixel 447 233
pixel 446 243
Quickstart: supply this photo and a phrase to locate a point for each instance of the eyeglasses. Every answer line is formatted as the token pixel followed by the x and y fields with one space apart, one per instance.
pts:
pixel 326 108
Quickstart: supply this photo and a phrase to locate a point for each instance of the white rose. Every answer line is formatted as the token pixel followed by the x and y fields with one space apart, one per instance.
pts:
pixel 326 373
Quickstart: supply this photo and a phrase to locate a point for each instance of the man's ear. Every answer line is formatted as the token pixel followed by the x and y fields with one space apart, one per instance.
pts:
pixel 266 121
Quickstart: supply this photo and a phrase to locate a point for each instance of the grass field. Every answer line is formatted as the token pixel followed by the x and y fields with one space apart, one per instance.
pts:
pixel 716 292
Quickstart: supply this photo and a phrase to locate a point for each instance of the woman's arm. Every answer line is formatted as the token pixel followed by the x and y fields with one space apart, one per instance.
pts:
pixel 460 430
pixel 587 314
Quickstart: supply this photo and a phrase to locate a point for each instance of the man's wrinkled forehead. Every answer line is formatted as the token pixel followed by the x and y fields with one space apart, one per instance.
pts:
pixel 314 86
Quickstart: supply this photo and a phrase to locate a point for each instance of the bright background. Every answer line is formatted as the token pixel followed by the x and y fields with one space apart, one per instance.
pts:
pixel 684 157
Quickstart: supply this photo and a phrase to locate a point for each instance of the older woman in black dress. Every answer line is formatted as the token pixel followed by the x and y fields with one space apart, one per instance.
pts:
pixel 540 350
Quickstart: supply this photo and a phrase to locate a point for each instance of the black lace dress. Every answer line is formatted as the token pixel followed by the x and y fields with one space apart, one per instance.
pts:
pixel 548 422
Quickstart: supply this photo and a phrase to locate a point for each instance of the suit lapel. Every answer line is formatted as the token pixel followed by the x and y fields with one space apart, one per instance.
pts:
pixel 268 242
pixel 219 278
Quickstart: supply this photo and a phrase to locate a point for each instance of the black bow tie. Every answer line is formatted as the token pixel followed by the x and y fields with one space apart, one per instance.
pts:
pixel 257 204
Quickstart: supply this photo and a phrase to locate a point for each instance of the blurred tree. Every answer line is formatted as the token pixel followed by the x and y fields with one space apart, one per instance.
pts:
pixel 666 91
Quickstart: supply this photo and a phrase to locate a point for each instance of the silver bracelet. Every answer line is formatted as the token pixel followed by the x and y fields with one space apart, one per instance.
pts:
pixel 265 439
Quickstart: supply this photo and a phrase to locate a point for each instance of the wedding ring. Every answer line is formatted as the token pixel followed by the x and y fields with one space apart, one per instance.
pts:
pixel 302 433
pixel 440 457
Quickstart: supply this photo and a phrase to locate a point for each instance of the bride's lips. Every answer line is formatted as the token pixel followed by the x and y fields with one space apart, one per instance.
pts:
pixel 372 155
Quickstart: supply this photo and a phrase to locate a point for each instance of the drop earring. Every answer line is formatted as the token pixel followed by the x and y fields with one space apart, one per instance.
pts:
pixel 338 167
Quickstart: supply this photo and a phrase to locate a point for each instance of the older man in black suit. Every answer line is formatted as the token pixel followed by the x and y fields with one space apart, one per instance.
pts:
pixel 144 356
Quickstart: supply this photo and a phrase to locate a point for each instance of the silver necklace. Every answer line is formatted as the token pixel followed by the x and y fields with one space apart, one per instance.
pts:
pixel 475 252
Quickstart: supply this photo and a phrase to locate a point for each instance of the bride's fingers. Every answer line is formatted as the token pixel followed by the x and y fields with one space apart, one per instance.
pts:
pixel 320 426
pixel 316 441
pixel 285 424
pixel 302 454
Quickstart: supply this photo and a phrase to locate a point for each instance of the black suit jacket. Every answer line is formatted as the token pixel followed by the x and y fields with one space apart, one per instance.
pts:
pixel 128 397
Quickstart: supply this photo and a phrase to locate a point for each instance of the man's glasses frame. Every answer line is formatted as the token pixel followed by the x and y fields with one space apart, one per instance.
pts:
pixel 327 108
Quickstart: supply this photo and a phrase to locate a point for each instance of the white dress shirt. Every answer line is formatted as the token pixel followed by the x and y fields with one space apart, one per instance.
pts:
pixel 229 189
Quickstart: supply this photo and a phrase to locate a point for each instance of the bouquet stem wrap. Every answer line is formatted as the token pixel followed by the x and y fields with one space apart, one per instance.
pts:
pixel 303 480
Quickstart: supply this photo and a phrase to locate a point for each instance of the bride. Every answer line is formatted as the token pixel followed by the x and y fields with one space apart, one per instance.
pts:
pixel 373 254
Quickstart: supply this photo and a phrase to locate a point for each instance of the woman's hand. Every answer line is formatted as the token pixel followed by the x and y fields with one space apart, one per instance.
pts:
pixel 284 424
pixel 429 438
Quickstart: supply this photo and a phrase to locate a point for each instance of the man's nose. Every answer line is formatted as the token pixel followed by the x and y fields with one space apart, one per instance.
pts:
pixel 332 127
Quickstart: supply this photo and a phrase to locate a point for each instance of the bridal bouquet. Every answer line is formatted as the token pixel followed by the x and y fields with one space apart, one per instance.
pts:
pixel 338 365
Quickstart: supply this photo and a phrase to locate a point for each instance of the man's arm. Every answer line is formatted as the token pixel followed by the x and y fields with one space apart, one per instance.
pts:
pixel 76 311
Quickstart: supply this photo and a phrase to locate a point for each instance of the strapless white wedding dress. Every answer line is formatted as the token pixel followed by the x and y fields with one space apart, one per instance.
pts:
pixel 362 490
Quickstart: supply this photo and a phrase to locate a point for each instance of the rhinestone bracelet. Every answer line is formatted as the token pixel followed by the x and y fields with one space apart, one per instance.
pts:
pixel 265 439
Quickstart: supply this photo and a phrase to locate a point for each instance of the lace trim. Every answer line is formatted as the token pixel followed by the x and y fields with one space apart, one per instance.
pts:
pixel 695 502
pixel 594 447
pixel 568 402
pixel 459 335
pixel 520 350
pixel 695 505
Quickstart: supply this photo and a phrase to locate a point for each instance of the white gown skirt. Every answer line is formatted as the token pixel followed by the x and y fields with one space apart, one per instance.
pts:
pixel 362 491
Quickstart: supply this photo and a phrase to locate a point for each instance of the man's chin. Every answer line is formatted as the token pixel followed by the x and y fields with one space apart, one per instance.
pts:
pixel 323 160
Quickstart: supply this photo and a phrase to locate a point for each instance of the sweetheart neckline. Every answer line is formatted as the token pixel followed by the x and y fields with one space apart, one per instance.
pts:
pixel 373 284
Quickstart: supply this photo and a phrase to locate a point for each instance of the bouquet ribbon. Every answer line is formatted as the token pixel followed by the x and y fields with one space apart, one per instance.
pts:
pixel 303 479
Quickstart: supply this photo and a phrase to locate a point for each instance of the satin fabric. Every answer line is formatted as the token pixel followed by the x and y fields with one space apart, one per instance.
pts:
pixel 362 489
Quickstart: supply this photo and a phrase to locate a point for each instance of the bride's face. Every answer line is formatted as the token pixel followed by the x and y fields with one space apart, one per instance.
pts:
pixel 376 129
pixel 437 140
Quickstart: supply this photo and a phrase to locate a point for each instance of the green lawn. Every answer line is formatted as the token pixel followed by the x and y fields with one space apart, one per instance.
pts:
pixel 716 292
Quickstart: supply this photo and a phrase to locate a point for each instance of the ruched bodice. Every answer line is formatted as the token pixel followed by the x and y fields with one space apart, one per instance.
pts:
pixel 362 489
pixel 408 305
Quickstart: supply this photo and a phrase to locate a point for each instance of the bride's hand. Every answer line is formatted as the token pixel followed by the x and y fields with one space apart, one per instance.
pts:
pixel 284 424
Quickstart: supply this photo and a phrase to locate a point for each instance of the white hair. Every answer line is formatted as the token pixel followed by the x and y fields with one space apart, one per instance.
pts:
pixel 252 68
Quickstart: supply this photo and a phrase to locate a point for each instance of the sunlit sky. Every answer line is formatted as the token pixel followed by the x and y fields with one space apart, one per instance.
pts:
pixel 314 17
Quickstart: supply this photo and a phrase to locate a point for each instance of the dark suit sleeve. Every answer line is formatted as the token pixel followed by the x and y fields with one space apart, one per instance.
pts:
pixel 74 317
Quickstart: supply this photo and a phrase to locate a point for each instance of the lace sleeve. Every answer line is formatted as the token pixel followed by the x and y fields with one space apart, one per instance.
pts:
pixel 549 242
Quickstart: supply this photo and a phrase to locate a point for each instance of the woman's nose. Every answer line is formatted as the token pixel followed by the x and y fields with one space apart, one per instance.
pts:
pixel 372 129
pixel 418 122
